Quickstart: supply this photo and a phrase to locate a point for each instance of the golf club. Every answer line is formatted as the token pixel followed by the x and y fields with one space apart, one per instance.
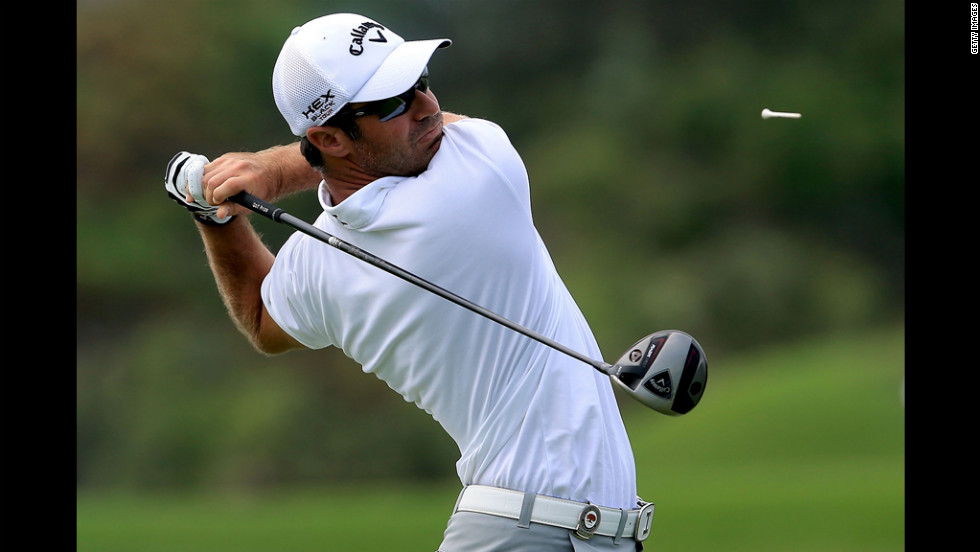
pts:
pixel 646 372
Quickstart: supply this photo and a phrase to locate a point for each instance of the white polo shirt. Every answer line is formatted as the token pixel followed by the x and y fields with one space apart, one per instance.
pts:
pixel 524 416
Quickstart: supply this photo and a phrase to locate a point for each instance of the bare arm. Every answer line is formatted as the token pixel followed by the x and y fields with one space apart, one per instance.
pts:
pixel 270 174
pixel 240 261
pixel 448 118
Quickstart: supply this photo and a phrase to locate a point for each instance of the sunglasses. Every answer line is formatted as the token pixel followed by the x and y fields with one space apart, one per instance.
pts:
pixel 390 108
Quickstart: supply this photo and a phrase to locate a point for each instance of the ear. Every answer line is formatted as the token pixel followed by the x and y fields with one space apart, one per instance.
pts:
pixel 330 140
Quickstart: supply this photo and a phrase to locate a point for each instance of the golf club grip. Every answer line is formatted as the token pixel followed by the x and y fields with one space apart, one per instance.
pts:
pixel 255 204
pixel 277 214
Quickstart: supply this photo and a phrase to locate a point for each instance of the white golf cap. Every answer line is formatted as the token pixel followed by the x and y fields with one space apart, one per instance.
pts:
pixel 341 58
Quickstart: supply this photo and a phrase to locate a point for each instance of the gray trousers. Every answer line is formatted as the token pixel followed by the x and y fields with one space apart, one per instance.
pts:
pixel 472 532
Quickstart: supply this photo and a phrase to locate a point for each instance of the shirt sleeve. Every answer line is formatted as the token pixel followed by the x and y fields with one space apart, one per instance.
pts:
pixel 487 139
pixel 293 295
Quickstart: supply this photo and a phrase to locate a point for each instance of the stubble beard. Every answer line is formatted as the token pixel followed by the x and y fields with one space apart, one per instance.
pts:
pixel 398 158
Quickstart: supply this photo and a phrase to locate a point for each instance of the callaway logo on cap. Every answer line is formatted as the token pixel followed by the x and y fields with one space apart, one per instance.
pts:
pixel 341 58
pixel 357 44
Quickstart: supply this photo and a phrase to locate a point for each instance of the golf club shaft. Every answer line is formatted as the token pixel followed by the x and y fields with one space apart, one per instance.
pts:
pixel 276 214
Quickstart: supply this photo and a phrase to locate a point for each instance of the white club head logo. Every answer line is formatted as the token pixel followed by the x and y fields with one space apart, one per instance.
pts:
pixel 660 385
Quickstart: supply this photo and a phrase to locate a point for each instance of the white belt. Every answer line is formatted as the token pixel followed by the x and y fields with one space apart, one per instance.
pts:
pixel 584 518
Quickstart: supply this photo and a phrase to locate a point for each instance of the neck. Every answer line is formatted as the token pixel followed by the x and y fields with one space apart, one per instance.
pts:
pixel 343 178
pixel 340 190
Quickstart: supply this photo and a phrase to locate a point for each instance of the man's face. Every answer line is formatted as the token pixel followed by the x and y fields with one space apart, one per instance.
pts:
pixel 404 145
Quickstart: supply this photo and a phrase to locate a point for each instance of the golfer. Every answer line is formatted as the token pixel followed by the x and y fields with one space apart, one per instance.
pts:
pixel 545 462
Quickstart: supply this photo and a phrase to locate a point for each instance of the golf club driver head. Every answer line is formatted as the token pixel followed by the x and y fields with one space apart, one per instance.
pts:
pixel 666 371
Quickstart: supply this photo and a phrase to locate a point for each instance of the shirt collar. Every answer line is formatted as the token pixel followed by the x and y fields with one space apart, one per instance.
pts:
pixel 361 207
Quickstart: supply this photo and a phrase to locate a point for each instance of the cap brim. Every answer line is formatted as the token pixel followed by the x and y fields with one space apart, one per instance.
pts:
pixel 400 70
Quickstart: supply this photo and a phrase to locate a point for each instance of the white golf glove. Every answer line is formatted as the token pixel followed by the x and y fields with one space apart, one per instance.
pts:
pixel 183 176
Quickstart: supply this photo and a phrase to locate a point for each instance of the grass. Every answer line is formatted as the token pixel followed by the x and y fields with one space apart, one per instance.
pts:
pixel 798 449
pixel 405 517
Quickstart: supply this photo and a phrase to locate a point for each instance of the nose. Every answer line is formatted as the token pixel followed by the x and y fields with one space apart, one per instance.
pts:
pixel 424 105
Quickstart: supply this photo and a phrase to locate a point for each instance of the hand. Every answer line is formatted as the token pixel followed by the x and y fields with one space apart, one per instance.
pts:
pixel 183 183
pixel 259 174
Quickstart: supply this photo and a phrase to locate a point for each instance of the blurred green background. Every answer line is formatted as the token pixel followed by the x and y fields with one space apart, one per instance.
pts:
pixel 666 202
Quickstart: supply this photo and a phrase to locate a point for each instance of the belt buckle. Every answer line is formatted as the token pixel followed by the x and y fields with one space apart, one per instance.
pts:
pixel 588 522
pixel 644 520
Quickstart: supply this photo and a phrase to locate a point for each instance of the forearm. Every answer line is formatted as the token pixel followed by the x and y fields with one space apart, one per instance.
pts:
pixel 270 174
pixel 294 173
pixel 240 261
pixel 449 118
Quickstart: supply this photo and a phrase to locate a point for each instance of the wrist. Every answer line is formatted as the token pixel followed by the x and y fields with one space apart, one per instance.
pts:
pixel 208 221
